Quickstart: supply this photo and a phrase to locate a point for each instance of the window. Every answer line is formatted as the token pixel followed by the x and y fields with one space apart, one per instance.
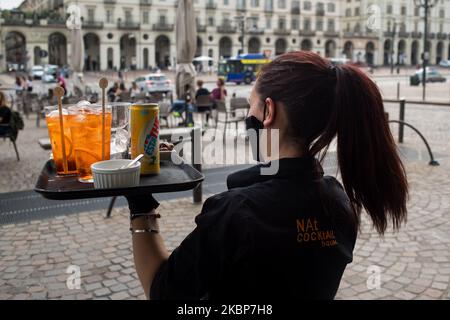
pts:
pixel 268 22
pixel 441 28
pixel 319 24
pixel 356 11
pixel 403 11
pixel 268 5
pixel 331 7
pixel 296 4
pixel 281 4
pixel 211 21
pixel 226 2
pixel 294 24
pixel 348 12
pixel 145 17
pixel 128 16
pixel 254 3
pixel 307 24
pixel 91 14
pixel 254 22
pixel 281 23
pixel 357 27
pixel 307 5
pixel 162 19
pixel 389 9
pixel 442 13
pixel 109 15
pixel 240 4
pixel 416 11
pixel 330 26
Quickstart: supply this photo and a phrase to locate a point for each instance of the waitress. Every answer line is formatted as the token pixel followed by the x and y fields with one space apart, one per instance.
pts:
pixel 290 234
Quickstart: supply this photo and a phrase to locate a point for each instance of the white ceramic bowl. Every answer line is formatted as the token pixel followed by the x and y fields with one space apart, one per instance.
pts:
pixel 108 175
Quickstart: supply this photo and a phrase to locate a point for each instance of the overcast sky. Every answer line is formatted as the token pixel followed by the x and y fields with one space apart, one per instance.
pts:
pixel 9 4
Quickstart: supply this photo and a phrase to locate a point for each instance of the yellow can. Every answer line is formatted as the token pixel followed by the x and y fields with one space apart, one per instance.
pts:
pixel 144 126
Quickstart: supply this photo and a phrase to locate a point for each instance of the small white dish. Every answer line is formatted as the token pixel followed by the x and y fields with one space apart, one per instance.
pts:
pixel 107 174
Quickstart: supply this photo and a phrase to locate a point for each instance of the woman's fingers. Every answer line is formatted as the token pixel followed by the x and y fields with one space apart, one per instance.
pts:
pixel 165 146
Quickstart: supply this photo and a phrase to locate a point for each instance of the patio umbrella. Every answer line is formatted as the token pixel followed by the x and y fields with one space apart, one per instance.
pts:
pixel 186 37
pixel 76 61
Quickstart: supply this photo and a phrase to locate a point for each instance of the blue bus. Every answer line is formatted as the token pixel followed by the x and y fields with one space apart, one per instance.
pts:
pixel 242 68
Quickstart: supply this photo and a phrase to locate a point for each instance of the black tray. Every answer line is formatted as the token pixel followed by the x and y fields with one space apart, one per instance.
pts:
pixel 172 178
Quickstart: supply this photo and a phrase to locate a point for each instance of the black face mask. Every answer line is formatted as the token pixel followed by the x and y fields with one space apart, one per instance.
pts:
pixel 253 123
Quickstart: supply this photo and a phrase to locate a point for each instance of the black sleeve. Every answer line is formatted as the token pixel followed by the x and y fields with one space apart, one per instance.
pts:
pixel 201 259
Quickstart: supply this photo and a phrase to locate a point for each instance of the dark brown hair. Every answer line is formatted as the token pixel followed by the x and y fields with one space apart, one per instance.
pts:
pixel 323 101
pixel 199 83
pixel 220 82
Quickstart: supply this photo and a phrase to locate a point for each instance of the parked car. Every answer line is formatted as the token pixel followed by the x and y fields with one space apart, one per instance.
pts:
pixel 445 63
pixel 154 82
pixel 37 72
pixel 12 67
pixel 432 75
pixel 50 72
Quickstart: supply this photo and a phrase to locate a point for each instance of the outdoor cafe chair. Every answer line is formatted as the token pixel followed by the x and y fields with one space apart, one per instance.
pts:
pixel 227 118
pixel 204 105
pixel 239 104
pixel 9 134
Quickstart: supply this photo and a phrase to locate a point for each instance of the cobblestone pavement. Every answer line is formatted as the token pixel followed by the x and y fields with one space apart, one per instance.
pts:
pixel 413 263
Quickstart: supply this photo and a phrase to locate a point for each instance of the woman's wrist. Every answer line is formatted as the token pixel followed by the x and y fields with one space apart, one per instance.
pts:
pixel 145 224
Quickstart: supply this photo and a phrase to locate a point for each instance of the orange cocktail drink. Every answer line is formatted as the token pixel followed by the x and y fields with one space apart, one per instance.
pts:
pixel 54 132
pixel 86 131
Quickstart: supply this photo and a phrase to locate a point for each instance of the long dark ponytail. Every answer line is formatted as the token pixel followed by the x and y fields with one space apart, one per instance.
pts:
pixel 324 101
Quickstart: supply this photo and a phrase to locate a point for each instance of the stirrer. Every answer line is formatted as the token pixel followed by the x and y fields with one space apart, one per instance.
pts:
pixel 59 93
pixel 103 83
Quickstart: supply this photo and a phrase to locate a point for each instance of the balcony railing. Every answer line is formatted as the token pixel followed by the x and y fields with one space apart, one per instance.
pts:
pixel 416 35
pixel 241 8
pixel 56 22
pixel 307 33
pixel 442 36
pixel 13 22
pixel 109 1
pixel 403 34
pixel 226 29
pixel 295 10
pixel 162 27
pixel 389 34
pixel 211 6
pixel 89 24
pixel 431 35
pixel 255 31
pixel 128 25
pixel 282 31
pixel 268 9
pixel 145 3
pixel 201 28
pixel 331 33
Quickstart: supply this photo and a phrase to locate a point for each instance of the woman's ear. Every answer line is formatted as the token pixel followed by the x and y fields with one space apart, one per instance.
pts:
pixel 269 117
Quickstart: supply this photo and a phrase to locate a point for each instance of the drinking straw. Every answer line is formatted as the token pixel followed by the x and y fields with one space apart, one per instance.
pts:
pixel 103 83
pixel 59 93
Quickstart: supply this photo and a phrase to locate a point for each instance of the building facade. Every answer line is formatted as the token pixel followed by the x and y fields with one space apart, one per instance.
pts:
pixel 139 34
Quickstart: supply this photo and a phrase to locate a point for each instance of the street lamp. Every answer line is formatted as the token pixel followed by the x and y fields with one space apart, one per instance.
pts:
pixel 426 5
pixel 241 19
pixel 392 45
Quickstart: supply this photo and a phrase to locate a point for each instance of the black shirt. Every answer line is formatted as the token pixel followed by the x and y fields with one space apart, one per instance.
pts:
pixel 202 92
pixel 288 235
pixel 5 114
